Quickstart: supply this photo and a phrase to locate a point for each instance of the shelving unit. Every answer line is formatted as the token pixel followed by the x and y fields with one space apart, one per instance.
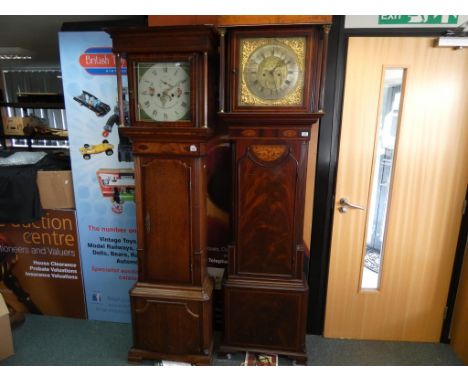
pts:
pixel 44 102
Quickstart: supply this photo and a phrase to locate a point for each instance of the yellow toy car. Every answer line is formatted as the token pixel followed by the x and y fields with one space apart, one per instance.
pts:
pixel 104 147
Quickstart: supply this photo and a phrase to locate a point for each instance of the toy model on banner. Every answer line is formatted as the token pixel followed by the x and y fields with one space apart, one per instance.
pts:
pixel 101 109
pixel 110 181
pixel 117 184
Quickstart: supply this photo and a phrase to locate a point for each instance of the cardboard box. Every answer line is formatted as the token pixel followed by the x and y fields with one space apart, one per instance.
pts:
pixel 15 125
pixel 6 339
pixel 56 189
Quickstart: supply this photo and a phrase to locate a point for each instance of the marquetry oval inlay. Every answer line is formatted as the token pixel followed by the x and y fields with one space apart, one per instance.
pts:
pixel 249 133
pixel 268 153
pixel 289 133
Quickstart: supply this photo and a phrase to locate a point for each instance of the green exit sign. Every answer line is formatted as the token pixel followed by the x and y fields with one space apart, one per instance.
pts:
pixel 418 19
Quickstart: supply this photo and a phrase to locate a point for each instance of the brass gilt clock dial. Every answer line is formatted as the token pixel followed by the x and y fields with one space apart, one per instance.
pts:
pixel 163 93
pixel 272 71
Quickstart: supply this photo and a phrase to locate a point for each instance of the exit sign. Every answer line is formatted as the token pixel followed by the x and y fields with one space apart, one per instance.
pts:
pixel 418 19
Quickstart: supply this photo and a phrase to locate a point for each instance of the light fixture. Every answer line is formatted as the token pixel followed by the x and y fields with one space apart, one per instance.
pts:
pixel 456 38
pixel 14 57
pixel 455 42
pixel 15 53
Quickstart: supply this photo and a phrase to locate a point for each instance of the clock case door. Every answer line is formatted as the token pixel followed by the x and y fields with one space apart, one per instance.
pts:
pixel 312 67
pixel 172 299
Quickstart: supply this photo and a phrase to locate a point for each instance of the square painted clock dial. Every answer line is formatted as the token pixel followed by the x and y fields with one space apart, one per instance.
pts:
pixel 163 91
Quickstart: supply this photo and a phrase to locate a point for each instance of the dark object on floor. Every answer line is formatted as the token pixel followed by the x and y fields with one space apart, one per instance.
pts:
pixel 16 319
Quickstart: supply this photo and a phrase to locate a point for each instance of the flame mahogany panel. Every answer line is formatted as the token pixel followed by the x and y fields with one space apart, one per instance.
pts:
pixel 267 176
pixel 265 318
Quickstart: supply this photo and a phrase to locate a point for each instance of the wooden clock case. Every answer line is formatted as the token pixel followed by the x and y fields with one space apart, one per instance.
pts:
pixel 265 292
pixel 171 302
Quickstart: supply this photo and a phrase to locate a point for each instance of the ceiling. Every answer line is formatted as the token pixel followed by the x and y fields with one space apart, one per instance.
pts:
pixel 39 35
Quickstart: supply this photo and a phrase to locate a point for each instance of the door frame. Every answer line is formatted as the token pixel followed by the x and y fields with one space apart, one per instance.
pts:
pixel 456 273
pixel 326 171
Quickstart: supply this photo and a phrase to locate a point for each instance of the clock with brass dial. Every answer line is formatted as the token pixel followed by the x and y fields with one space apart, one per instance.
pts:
pixel 274 77
pixel 271 71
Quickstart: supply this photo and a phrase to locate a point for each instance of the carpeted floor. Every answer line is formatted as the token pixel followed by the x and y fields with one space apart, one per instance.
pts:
pixel 51 341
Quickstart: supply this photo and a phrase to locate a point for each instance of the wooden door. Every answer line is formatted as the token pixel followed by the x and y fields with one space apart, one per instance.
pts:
pixel 426 190
pixel 166 206
pixel 270 187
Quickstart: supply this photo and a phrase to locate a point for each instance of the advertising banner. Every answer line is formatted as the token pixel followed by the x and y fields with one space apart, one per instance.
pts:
pixel 103 179
pixel 40 269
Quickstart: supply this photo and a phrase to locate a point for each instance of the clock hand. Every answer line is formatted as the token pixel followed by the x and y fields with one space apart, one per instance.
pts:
pixel 166 91
pixel 278 64
pixel 174 86
pixel 166 97
pixel 168 84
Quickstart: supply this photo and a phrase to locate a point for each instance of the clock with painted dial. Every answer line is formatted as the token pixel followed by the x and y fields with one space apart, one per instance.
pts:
pixel 172 82
pixel 163 91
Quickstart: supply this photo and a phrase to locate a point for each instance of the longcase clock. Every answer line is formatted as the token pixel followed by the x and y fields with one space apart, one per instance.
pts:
pixel 172 75
pixel 273 78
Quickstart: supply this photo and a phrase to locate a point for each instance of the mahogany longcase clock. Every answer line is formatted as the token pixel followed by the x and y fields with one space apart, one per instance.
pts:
pixel 273 80
pixel 172 79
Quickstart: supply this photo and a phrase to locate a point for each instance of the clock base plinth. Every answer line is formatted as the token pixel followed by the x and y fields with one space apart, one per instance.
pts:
pixel 266 316
pixel 172 322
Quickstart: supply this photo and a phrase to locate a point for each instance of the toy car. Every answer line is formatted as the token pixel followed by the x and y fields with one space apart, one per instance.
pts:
pixel 92 103
pixel 104 147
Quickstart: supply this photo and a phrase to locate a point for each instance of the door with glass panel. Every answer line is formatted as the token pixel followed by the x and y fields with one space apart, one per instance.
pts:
pixel 401 181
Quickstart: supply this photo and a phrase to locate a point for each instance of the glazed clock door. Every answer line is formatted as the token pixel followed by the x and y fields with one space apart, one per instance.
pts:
pixel 163 91
pixel 167 91
pixel 275 70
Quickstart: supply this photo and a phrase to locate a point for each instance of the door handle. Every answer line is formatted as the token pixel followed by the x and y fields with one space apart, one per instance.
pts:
pixel 344 205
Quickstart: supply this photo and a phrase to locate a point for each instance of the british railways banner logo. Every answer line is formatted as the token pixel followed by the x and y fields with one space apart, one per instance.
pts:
pixel 100 61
